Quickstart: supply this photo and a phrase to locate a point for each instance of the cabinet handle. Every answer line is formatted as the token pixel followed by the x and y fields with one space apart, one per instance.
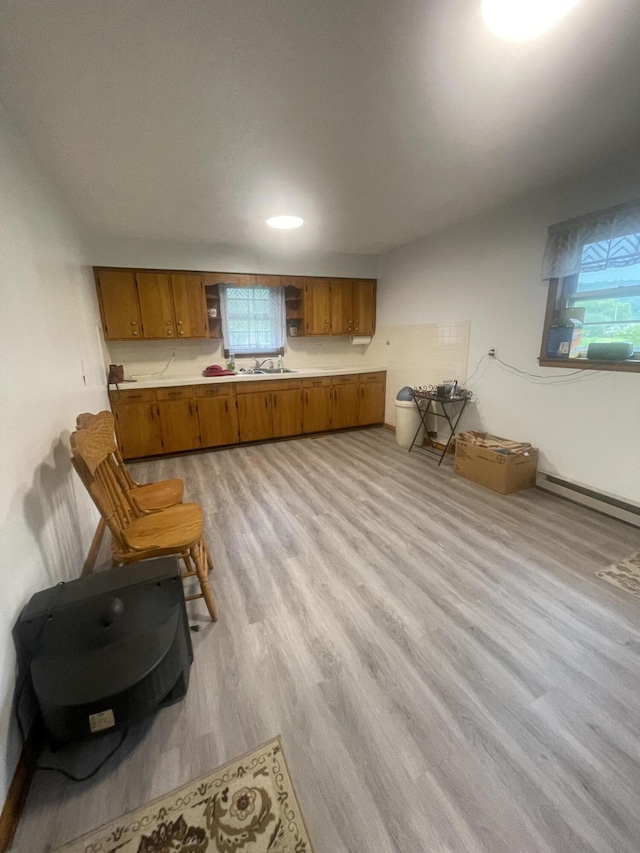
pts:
pixel 168 322
pixel 170 332
pixel 181 332
pixel 226 407
pixel 180 322
pixel 134 322
pixel 190 410
pixel 135 333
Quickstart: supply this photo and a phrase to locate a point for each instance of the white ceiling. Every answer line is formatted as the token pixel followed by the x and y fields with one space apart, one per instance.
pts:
pixel 376 120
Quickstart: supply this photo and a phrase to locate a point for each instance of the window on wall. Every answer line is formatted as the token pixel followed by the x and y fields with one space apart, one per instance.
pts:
pixel 593 268
pixel 253 320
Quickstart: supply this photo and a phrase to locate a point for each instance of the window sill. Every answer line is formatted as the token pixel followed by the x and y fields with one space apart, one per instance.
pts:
pixel 590 364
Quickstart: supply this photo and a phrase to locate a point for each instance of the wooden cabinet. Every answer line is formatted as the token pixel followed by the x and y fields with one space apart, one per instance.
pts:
pixel 269 409
pixel 118 299
pixel 345 395
pixel 317 404
pixel 156 305
pixel 371 398
pixel 286 411
pixel 151 305
pixel 137 423
pixel 153 421
pixel 340 307
pixel 190 306
pixel 317 307
pixel 179 425
pixel 217 415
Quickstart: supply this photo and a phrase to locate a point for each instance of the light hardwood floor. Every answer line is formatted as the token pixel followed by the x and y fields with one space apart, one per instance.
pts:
pixel 445 670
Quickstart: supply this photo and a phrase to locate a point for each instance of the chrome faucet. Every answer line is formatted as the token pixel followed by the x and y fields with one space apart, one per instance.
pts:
pixel 258 364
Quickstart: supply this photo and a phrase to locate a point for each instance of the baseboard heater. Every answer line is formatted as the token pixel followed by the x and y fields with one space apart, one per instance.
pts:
pixel 600 501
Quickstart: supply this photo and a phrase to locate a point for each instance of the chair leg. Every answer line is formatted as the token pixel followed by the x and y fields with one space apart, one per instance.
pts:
pixel 198 553
pixel 208 555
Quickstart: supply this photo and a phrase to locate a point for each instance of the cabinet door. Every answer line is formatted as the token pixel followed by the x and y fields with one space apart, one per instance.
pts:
pixel 254 416
pixel 156 305
pixel 179 425
pixel 371 409
pixel 287 412
pixel 317 307
pixel 190 305
pixel 345 405
pixel 341 308
pixel 138 429
pixel 119 305
pixel 364 307
pixel 317 408
pixel 218 418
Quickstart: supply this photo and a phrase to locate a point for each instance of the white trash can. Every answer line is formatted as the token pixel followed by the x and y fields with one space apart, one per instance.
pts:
pixel 407 423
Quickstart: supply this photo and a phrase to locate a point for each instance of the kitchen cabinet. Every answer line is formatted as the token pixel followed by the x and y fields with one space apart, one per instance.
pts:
pixel 371 398
pixel 190 306
pixel 317 307
pixel 118 299
pixel 137 423
pixel 345 393
pixel 317 404
pixel 339 307
pixel 156 305
pixel 217 415
pixel 269 409
pixel 179 425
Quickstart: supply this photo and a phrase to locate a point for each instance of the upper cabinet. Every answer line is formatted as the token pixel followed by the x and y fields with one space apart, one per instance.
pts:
pixel 118 298
pixel 340 307
pixel 151 305
pixel 190 306
pixel 161 304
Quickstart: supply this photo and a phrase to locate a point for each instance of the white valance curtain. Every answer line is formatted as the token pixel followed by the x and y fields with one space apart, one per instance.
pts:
pixel 609 238
pixel 253 318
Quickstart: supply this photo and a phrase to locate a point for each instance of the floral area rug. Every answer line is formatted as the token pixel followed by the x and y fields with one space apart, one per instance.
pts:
pixel 247 806
pixel 625 575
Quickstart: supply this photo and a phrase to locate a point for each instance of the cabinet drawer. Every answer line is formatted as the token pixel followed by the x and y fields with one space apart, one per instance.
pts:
pixel 183 393
pixel 227 389
pixel 317 382
pixel 372 377
pixel 344 380
pixel 267 385
pixel 144 395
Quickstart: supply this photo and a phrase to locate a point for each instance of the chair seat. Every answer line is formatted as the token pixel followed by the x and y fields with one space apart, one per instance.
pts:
pixel 174 528
pixel 155 496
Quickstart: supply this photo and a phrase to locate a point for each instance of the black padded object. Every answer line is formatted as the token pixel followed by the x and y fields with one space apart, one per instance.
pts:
pixel 108 649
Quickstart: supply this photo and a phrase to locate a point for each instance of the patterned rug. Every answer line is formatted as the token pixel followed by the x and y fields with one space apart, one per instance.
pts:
pixel 247 806
pixel 625 574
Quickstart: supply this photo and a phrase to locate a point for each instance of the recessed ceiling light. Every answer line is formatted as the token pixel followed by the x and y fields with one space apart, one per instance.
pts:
pixel 285 222
pixel 519 20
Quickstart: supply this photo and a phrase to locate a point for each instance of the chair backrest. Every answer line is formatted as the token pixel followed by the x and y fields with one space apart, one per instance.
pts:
pixel 92 450
pixel 105 420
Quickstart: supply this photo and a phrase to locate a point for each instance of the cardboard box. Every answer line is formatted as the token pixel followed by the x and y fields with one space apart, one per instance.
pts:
pixel 502 472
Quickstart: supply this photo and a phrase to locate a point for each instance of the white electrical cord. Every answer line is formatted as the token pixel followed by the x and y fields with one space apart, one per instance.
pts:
pixel 158 372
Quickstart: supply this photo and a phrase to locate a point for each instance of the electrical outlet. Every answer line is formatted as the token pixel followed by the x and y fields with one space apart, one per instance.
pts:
pixel 492 352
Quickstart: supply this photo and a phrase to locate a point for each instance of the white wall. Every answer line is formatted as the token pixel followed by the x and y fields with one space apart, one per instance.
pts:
pixel 487 270
pixel 50 321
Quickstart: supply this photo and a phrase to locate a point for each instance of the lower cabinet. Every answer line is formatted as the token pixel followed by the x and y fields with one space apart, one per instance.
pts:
pixel 217 415
pixel 317 407
pixel 137 425
pixel 153 421
pixel 275 411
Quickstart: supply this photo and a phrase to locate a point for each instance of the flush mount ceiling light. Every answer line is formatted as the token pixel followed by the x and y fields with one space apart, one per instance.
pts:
pixel 519 20
pixel 285 222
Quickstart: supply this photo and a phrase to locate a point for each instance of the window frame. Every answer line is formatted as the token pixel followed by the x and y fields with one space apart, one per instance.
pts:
pixel 263 355
pixel 557 298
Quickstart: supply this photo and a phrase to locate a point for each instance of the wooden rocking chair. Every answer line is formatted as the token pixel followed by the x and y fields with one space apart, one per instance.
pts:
pixel 148 497
pixel 136 535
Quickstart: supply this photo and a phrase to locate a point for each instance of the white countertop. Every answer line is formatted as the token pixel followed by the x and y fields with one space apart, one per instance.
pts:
pixel 198 379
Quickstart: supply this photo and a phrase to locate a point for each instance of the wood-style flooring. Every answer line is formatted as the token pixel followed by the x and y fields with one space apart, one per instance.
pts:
pixel 445 670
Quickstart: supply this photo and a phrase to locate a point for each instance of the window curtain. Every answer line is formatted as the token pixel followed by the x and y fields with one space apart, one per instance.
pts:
pixel 253 318
pixel 610 238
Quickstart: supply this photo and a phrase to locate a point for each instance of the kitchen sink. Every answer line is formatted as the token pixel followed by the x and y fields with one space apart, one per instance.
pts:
pixel 271 370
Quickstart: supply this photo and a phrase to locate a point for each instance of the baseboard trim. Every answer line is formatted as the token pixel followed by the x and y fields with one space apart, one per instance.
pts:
pixel 19 788
pixel 390 427
pixel 600 501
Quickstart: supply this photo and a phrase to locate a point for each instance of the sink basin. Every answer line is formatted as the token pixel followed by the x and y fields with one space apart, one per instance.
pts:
pixel 263 370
